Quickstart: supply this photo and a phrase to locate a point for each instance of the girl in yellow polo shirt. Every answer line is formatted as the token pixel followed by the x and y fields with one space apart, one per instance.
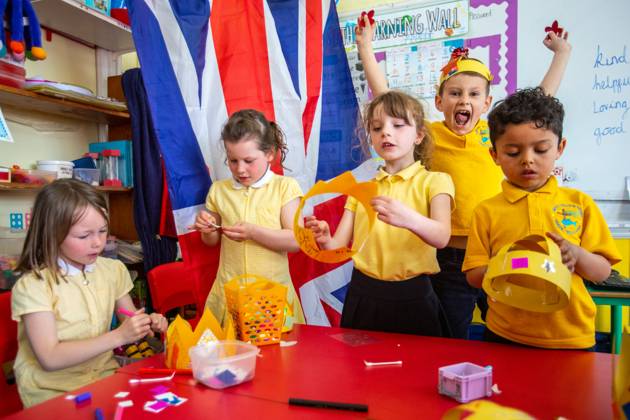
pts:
pixel 65 300
pixel 462 144
pixel 251 214
pixel 390 289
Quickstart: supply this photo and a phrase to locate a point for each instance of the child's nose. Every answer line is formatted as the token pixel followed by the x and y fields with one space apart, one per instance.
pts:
pixel 98 241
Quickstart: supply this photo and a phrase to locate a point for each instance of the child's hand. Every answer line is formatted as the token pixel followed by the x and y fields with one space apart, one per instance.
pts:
pixel 320 229
pixel 391 211
pixel 557 43
pixel 242 231
pixel 570 252
pixel 364 33
pixel 158 323
pixel 205 223
pixel 136 327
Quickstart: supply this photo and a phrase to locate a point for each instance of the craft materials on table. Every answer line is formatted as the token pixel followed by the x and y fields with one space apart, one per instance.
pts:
pixel 225 363
pixel 329 404
pixel 257 308
pixel 465 381
pixel 392 363
pixel 150 380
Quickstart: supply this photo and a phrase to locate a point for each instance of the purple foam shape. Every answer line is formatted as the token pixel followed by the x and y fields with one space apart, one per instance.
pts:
pixel 158 405
pixel 160 389
pixel 520 263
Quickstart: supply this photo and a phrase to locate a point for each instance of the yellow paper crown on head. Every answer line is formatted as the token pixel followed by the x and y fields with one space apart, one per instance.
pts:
pixel 529 274
pixel 460 63
pixel 180 337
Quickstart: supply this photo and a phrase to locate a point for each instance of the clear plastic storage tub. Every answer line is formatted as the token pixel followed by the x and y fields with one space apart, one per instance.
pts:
pixel 223 363
pixel 11 244
pixel 87 175
pixel 32 176
pixel 465 381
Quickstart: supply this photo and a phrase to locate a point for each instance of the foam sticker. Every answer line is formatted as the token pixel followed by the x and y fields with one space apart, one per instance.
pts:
pixel 520 263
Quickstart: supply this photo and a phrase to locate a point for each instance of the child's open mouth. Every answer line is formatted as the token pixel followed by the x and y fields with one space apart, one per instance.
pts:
pixel 386 145
pixel 462 117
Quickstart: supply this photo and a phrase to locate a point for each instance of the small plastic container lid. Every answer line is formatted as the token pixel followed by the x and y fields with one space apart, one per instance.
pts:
pixel 110 152
pixel 55 162
pixel 93 155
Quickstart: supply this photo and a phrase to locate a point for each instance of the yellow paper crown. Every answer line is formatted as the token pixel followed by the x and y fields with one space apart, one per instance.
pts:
pixel 344 184
pixel 482 409
pixel 460 63
pixel 180 337
pixel 529 274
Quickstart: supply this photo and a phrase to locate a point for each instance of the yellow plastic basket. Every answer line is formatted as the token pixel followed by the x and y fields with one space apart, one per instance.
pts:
pixel 257 308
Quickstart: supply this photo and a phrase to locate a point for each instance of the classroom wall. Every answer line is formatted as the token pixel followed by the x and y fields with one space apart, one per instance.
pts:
pixel 39 136
pixel 616 212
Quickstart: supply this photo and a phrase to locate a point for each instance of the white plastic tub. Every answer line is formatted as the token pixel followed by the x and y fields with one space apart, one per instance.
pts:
pixel 223 363
pixel 63 168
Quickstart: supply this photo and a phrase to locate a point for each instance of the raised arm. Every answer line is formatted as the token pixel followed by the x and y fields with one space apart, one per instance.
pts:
pixel 561 52
pixel 375 77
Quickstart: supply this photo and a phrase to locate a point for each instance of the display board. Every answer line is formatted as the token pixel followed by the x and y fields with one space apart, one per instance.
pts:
pixel 413 40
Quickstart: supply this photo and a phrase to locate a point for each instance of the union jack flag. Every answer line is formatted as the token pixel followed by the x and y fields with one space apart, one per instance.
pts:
pixel 203 60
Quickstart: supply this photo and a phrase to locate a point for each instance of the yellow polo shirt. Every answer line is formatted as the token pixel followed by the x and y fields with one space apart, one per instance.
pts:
pixel 389 252
pixel 83 307
pixel 260 204
pixel 467 160
pixel 516 213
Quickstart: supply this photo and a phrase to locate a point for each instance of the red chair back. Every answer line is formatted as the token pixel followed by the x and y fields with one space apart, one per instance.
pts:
pixel 8 349
pixel 171 286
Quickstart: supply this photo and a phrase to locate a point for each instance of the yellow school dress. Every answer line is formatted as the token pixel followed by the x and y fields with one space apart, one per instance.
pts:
pixel 83 305
pixel 260 204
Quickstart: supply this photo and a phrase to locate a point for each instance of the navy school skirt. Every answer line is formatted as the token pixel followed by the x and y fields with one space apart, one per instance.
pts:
pixel 408 306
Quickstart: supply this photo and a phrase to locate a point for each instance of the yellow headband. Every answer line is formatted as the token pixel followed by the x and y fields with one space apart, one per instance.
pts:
pixel 460 63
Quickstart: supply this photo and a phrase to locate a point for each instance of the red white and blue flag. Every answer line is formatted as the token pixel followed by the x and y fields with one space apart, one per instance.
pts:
pixel 202 60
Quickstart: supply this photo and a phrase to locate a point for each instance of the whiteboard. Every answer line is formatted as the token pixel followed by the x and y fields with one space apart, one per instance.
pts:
pixel 507 35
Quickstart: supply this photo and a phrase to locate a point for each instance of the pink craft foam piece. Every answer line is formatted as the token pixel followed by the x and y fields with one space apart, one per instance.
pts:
pixel 158 405
pixel 126 312
pixel 160 389
pixel 520 263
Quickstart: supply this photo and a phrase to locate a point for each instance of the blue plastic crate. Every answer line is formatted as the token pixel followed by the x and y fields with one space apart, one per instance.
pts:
pixel 103 6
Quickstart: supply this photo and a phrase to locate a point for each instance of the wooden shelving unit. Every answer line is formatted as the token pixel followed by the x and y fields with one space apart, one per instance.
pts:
pixel 18 187
pixel 84 24
pixel 76 21
pixel 25 99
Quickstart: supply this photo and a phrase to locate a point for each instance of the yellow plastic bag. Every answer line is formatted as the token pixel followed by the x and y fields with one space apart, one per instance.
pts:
pixel 180 337
pixel 257 308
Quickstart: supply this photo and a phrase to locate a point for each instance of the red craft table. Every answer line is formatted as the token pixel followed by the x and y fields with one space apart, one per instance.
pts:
pixel 328 364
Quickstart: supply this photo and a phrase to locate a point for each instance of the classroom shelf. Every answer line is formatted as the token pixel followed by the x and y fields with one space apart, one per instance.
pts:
pixel 20 187
pixel 34 101
pixel 84 24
